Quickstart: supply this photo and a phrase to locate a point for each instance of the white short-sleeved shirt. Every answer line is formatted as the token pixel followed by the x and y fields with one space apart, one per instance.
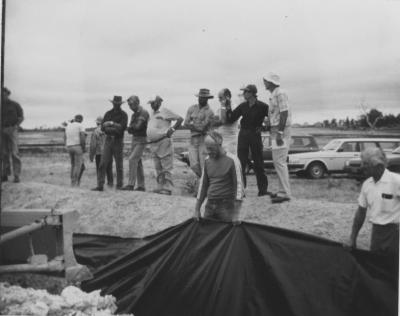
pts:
pixel 72 133
pixel 160 122
pixel 382 198
pixel 279 102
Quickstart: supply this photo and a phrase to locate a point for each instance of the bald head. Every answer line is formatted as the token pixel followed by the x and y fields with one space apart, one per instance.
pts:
pixel 373 157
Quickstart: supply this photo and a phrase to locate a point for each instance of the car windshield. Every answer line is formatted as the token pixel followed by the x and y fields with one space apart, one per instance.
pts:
pixel 332 145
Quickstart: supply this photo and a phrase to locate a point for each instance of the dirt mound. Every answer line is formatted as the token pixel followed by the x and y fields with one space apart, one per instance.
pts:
pixel 137 214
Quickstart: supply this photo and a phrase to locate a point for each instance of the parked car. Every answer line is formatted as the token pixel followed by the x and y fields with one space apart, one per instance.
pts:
pixel 354 169
pixel 333 156
pixel 298 144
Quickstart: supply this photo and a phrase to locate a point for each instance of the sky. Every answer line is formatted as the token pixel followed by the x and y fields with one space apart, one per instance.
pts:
pixel 64 57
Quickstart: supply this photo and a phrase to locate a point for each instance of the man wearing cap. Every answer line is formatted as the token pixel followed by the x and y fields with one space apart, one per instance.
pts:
pixel 280 120
pixel 253 113
pixel 380 195
pixel 12 116
pixel 75 141
pixel 221 182
pixel 113 125
pixel 159 133
pixel 96 148
pixel 199 119
pixel 138 129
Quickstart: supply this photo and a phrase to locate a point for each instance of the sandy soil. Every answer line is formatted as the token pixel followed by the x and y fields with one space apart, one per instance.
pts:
pixel 137 214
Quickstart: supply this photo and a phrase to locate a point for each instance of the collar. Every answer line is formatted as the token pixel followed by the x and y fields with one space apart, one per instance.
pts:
pixel 138 110
pixel 385 176
pixel 206 107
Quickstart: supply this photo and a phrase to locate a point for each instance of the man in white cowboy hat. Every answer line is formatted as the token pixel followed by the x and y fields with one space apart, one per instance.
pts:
pixel 199 119
pixel 159 133
pixel 252 112
pixel 96 148
pixel 12 116
pixel 280 120
pixel 138 128
pixel 114 125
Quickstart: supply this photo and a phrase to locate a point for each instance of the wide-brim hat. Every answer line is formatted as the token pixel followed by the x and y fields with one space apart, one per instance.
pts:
pixel 274 78
pixel 117 100
pixel 204 93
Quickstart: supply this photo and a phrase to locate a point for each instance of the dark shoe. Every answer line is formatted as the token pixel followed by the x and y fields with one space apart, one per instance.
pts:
pixel 127 188
pixel 17 180
pixel 279 199
pixel 140 189
pixel 262 193
pixel 4 178
pixel 110 185
pixel 97 189
pixel 119 187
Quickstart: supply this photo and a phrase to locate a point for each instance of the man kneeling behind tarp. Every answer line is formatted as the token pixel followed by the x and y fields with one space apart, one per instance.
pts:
pixel 221 182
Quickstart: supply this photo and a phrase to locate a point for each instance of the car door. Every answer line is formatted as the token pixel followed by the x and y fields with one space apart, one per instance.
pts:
pixel 348 150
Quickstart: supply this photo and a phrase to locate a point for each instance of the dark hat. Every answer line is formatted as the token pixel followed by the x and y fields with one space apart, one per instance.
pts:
pixel 204 93
pixel 251 88
pixel 117 100
pixel 5 90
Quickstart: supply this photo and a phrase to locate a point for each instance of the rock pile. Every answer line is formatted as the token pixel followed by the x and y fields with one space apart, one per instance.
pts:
pixel 15 300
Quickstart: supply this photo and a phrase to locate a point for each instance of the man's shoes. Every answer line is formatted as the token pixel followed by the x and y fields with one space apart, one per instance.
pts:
pixel 140 189
pixel 110 185
pixel 17 180
pixel 279 199
pixel 4 178
pixel 265 192
pixel 97 189
pixel 127 188
pixel 119 187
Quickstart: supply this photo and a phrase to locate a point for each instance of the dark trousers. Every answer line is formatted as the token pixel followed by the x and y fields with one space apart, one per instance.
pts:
pixel 251 140
pixel 385 238
pixel 109 171
pixel 113 147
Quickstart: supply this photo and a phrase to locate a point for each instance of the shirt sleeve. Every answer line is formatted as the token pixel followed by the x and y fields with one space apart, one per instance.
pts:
pixel 362 198
pixel 283 103
pixel 188 115
pixel 20 112
pixel 237 177
pixel 203 185
pixel 170 116
pixel 124 121
pixel 232 116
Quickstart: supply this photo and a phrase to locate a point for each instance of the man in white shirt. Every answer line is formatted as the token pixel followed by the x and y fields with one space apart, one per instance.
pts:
pixel 159 133
pixel 75 141
pixel 380 194
pixel 280 120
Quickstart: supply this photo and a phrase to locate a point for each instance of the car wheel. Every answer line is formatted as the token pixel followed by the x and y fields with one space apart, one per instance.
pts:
pixel 316 170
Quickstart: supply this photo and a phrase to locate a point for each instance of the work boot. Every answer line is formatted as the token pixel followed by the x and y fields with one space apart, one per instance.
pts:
pixel 97 189
pixel 16 179
pixel 279 199
pixel 128 187
pixel 4 178
pixel 140 189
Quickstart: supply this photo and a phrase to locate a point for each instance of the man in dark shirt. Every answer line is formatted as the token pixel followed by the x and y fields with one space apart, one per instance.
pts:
pixel 11 117
pixel 138 129
pixel 221 182
pixel 113 125
pixel 253 113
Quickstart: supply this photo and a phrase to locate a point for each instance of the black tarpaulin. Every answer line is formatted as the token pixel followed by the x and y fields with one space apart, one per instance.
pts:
pixel 214 268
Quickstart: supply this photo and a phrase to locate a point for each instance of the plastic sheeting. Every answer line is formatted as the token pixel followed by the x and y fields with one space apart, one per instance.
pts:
pixel 213 268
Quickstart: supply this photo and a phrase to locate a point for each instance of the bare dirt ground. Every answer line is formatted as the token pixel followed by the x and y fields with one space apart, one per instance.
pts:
pixel 319 207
